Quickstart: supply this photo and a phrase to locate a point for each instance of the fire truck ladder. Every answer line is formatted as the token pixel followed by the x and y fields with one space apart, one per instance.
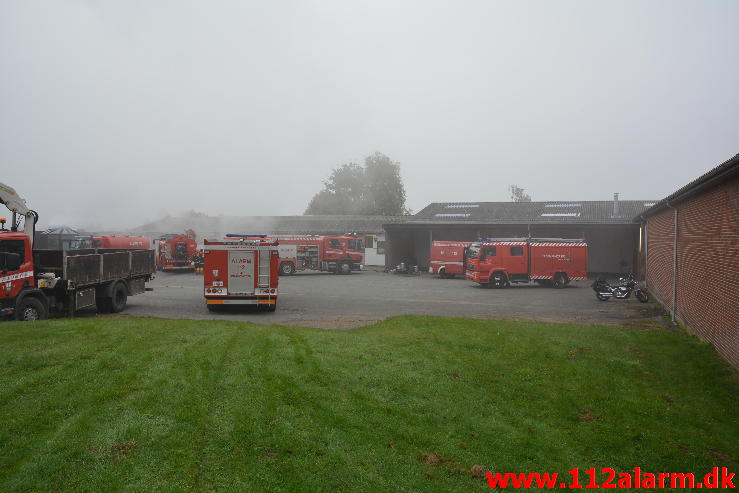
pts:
pixel 264 264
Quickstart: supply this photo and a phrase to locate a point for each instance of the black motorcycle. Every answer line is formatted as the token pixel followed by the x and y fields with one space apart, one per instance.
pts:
pixel 604 291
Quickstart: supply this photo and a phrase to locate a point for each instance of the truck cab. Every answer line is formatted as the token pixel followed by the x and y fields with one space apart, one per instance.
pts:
pixel 339 248
pixel 500 263
pixel 17 276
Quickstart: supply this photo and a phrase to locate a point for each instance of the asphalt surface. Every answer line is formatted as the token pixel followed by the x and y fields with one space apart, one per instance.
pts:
pixel 341 302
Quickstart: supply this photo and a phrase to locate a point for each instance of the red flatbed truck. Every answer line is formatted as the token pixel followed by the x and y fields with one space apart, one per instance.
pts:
pixel 553 261
pixel 36 282
pixel 448 258
pixel 241 270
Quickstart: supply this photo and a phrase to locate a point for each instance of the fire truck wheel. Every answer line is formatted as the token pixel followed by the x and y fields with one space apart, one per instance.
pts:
pixel 213 308
pixel 30 309
pixel 499 281
pixel 119 297
pixel 287 269
pixel 345 268
pixel 560 281
pixel 268 308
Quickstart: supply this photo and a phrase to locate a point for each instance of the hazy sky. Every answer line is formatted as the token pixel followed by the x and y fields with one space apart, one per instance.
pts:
pixel 114 112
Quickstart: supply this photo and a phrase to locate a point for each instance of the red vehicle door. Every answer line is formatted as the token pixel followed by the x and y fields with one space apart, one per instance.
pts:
pixel 517 258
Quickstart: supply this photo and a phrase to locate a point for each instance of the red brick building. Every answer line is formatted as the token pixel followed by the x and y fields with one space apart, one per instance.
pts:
pixel 690 256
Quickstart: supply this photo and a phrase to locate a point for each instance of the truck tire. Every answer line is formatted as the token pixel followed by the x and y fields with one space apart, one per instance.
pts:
pixel 213 308
pixel 499 280
pixel 268 308
pixel 287 269
pixel 30 309
pixel 560 280
pixel 118 298
pixel 345 268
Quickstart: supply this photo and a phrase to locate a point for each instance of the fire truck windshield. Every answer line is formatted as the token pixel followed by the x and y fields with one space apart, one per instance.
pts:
pixel 356 245
pixel 474 250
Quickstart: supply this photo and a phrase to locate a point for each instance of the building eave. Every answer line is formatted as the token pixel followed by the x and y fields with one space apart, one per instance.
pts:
pixel 725 170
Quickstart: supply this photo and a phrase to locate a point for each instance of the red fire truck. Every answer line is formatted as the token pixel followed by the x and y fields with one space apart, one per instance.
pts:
pixel 120 242
pixel 448 258
pixel 176 251
pixel 241 270
pixel 554 261
pixel 337 254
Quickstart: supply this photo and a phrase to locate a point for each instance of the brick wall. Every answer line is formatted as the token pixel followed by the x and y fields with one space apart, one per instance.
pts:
pixel 660 256
pixel 708 268
pixel 707 265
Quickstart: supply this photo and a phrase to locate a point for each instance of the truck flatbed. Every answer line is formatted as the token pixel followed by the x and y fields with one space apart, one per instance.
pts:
pixel 87 267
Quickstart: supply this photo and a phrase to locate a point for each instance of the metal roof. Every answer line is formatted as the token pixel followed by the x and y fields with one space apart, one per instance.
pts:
pixel 59 230
pixel 550 212
pixel 318 224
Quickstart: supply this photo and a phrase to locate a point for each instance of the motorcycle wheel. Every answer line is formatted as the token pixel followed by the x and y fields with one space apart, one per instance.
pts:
pixel 642 296
pixel 601 297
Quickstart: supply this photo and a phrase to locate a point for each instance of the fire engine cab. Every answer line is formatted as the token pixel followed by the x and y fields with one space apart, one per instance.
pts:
pixel 337 254
pixel 241 270
pixel 553 261
pixel 448 258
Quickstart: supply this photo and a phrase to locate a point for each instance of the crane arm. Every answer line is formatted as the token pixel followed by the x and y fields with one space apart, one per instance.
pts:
pixel 17 205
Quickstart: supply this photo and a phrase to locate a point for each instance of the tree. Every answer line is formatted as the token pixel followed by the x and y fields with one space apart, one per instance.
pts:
pixel 343 192
pixel 373 189
pixel 518 194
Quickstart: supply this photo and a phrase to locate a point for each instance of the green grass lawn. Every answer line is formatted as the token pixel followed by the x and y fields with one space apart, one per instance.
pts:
pixel 410 404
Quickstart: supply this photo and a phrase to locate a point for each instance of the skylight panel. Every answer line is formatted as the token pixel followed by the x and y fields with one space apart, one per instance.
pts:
pixel 461 206
pixel 561 214
pixel 563 205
